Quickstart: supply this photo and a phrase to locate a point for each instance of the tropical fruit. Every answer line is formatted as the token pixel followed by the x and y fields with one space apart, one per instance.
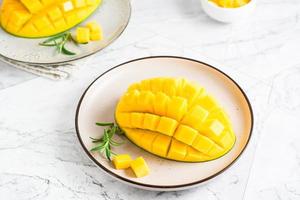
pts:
pixel 122 161
pixel 43 18
pixel 139 167
pixel 230 3
pixel 175 119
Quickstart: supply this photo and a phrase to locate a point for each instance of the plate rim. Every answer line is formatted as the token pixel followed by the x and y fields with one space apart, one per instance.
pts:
pixel 2 57
pixel 167 187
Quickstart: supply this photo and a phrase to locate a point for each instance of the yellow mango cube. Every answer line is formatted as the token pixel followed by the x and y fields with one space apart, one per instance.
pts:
pixel 170 86
pixel 55 13
pixel 193 154
pixel 195 117
pixel 42 22
pixel 203 144
pixel 176 108
pixel 47 2
pixel 145 101
pixel 147 139
pixel 167 126
pixel 140 167
pixel 145 85
pixel 186 134
pixel 215 128
pixel 131 97
pixel 79 3
pixel 93 26
pixel 178 150
pixel 207 102
pixel 160 103
pixel 33 6
pixel 124 120
pixel 150 121
pixel 215 151
pixel 157 84
pixel 96 31
pixel 60 23
pixel 20 18
pixel 137 120
pixel 96 36
pixel 122 161
pixel 82 35
pixel 134 135
pixel 160 145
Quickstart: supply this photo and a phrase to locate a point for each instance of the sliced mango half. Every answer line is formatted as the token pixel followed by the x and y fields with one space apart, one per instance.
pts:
pixel 44 18
pixel 175 119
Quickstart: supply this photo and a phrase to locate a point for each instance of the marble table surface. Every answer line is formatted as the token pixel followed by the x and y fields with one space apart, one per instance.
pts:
pixel 39 153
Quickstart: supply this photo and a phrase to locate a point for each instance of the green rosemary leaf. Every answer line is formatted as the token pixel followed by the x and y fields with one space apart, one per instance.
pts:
pixel 59 42
pixel 104 124
pixel 97 148
pixel 108 153
pixel 67 52
pixel 106 142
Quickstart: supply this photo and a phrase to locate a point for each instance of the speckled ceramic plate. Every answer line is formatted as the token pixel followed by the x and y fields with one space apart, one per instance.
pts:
pixel 98 105
pixel 113 15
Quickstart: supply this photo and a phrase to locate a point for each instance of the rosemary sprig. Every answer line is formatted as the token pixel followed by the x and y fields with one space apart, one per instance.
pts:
pixel 105 143
pixel 59 41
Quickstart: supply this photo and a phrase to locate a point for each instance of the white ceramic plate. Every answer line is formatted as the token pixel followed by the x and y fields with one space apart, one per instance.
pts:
pixel 98 105
pixel 113 15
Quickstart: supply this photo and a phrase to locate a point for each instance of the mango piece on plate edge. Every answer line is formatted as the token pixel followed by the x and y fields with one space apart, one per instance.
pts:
pixel 140 167
pixel 122 161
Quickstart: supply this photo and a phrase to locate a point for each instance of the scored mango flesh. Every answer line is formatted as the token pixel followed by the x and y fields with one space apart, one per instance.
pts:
pixel 175 119
pixel 44 18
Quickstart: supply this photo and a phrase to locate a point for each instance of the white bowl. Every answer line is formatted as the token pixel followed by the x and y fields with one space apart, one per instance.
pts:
pixel 228 15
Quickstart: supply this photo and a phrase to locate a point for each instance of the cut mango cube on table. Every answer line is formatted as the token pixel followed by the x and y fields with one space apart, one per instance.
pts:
pixel 140 167
pixel 44 18
pixel 122 161
pixel 175 119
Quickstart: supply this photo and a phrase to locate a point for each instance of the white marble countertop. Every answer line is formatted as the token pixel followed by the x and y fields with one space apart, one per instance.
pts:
pixel 39 153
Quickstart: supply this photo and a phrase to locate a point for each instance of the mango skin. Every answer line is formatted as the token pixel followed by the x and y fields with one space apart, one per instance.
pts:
pixel 51 17
pixel 175 119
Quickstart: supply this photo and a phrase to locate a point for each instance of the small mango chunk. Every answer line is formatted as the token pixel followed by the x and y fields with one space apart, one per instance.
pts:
pixel 82 35
pixel 122 161
pixel 186 134
pixel 95 30
pixel 140 167
pixel 167 126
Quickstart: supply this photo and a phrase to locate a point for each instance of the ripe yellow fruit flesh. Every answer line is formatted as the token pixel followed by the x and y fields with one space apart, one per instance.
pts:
pixel 140 167
pixel 122 161
pixel 82 35
pixel 43 18
pixel 95 31
pixel 230 3
pixel 175 119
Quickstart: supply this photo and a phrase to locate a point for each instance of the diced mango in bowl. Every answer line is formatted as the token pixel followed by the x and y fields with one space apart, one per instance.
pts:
pixel 230 3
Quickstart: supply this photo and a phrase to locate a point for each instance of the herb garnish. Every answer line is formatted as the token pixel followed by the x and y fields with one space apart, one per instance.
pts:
pixel 105 142
pixel 59 42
